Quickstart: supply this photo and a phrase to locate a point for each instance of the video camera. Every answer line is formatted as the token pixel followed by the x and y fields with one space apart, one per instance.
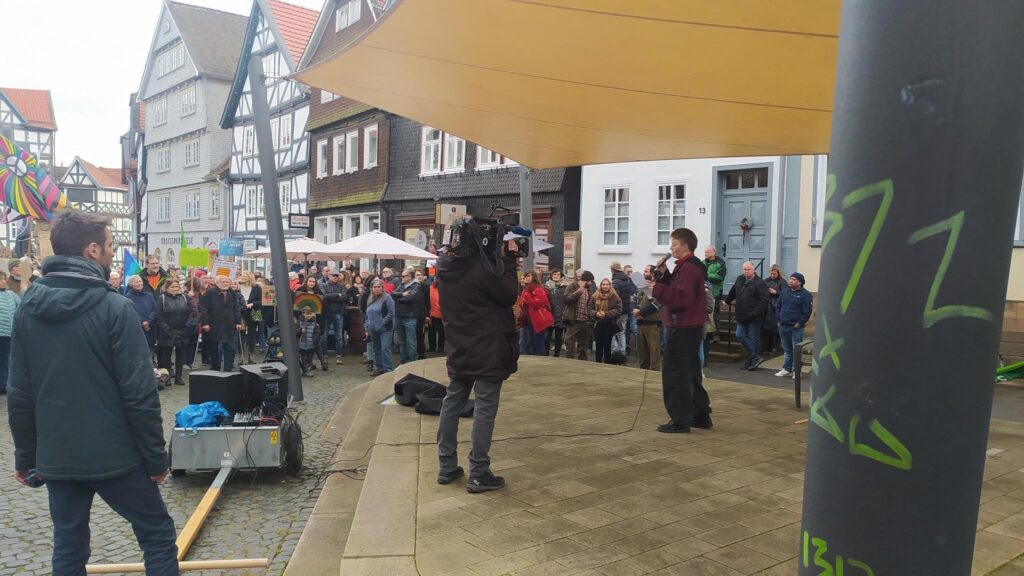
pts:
pixel 473 235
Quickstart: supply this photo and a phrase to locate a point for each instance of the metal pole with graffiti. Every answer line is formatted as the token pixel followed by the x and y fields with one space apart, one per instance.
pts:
pixel 921 200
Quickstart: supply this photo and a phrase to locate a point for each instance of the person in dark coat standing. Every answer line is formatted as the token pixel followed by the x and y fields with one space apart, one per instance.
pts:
pixel 177 322
pixel 221 319
pixel 145 307
pixel 683 313
pixel 83 407
pixel 480 330
pixel 336 296
pixel 751 296
pixel 794 308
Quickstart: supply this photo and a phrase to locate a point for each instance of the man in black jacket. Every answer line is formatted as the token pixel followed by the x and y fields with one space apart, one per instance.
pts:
pixel 90 423
pixel 335 299
pixel 480 334
pixel 751 296
pixel 221 319
pixel 408 297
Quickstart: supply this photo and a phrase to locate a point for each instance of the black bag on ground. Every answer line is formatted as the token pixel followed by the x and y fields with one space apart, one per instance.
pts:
pixel 410 385
pixel 432 405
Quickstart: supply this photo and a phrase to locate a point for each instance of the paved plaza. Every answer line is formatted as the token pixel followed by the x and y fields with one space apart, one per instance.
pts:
pixel 257 515
pixel 593 490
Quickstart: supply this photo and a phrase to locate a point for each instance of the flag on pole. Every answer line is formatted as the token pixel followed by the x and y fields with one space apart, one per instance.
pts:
pixel 183 243
pixel 131 265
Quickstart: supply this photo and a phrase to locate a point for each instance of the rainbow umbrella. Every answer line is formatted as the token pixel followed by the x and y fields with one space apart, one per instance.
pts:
pixel 27 188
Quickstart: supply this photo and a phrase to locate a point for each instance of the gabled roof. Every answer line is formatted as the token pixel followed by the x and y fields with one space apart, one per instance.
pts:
pixel 377 8
pixel 291 25
pixel 106 178
pixel 295 24
pixel 212 37
pixel 34 106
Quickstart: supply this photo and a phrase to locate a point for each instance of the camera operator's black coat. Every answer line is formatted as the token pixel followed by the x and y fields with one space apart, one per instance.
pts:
pixel 479 327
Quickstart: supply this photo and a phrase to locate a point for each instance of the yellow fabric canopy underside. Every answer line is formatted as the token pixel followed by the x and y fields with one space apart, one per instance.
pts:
pixel 553 83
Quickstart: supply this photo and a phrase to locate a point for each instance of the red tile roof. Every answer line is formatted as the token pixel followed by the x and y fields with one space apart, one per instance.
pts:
pixel 109 178
pixel 296 25
pixel 35 106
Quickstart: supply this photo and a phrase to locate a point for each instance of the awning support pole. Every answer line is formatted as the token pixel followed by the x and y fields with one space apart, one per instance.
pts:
pixel 924 180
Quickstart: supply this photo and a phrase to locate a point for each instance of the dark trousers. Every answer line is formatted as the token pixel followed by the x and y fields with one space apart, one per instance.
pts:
pixel 135 497
pixel 5 361
pixel 555 333
pixel 225 351
pixel 603 334
pixel 163 359
pixel 421 337
pixel 485 410
pixel 435 335
pixel 681 380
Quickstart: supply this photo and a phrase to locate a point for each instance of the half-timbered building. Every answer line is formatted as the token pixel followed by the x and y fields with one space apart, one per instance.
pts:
pixel 91 188
pixel 277 33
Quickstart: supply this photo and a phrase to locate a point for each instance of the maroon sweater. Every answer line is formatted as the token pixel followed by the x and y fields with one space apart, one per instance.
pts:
pixel 681 294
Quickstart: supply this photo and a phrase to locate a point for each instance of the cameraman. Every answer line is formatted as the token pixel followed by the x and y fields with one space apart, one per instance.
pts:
pixel 477 292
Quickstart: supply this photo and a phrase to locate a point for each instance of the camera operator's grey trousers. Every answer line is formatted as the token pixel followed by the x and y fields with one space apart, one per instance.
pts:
pixel 485 408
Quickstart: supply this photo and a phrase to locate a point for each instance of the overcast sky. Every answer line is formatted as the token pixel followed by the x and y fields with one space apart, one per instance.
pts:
pixel 90 55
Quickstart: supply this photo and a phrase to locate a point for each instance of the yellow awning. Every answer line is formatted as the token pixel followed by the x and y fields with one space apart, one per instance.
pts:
pixel 554 83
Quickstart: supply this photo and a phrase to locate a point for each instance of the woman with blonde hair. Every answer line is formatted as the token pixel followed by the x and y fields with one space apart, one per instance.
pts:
pixel 606 307
pixel 252 314
pixel 776 282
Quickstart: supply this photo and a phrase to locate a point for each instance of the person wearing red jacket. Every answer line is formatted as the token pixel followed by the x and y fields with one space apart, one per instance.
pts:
pixel 435 323
pixel 682 299
pixel 534 313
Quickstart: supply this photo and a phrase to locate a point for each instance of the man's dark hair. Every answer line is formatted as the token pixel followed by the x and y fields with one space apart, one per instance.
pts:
pixel 74 230
pixel 686 236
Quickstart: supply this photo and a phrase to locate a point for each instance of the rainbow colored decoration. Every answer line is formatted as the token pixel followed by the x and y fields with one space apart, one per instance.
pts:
pixel 27 188
pixel 305 301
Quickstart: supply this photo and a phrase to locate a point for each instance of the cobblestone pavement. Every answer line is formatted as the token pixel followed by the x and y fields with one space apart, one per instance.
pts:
pixel 257 515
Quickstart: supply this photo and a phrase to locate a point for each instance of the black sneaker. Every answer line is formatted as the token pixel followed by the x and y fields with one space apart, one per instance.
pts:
pixel 673 428
pixel 703 422
pixel 449 477
pixel 746 364
pixel 484 483
pixel 757 362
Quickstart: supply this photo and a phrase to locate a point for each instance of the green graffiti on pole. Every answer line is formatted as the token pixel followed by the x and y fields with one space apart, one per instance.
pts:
pixel 885 189
pixel 831 347
pixel 830 568
pixel 902 460
pixel 932 315
pixel 823 418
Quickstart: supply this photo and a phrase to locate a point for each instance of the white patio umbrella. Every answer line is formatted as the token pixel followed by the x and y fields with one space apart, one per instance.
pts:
pixel 377 244
pixel 300 250
pixel 538 244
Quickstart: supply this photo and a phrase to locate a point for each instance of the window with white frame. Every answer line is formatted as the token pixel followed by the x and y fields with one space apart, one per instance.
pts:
pixel 163 158
pixel 454 154
pixel 192 152
pixel 354 226
pixel 321 159
pixel 326 96
pixel 271 65
pixel 370 146
pixel 160 112
pixel 286 131
pixel 163 208
pixel 285 191
pixel 188 101
pixel 178 57
pixel 193 204
pixel 489 159
pixel 347 14
pixel 248 141
pixel 373 223
pixel 339 155
pixel 254 201
pixel 671 210
pixel 352 151
pixel 616 216
pixel 274 125
pixel 214 201
pixel 430 162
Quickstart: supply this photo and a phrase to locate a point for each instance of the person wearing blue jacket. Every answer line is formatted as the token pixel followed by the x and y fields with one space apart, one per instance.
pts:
pixel 89 423
pixel 380 323
pixel 793 309
pixel 145 307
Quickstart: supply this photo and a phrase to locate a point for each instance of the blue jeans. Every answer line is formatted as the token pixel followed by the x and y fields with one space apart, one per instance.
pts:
pixel 790 338
pixel 406 330
pixel 531 343
pixel 337 320
pixel 748 333
pixel 225 351
pixel 135 497
pixel 382 349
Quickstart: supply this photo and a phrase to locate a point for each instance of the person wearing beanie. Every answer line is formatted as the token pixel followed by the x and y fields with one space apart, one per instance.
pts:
pixel 793 309
pixel 16 278
pixel 579 325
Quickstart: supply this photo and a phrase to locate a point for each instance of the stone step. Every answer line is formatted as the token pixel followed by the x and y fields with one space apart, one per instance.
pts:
pixel 355 422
